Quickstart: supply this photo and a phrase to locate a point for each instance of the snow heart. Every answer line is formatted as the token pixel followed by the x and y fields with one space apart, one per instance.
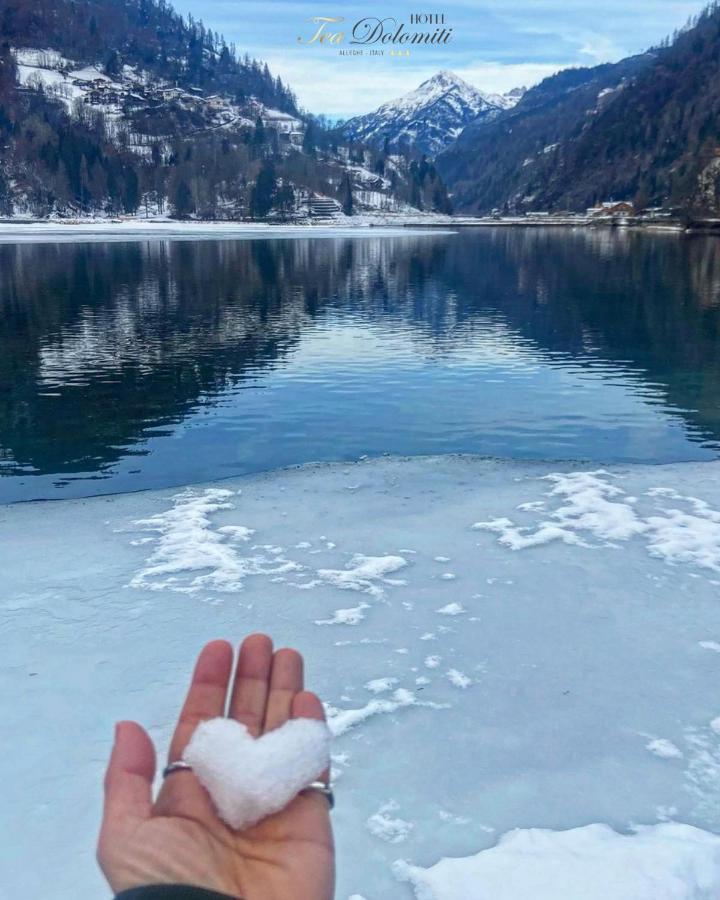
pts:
pixel 249 778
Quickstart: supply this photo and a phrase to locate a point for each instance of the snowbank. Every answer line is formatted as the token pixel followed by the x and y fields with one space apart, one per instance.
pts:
pixel 661 862
pixel 566 674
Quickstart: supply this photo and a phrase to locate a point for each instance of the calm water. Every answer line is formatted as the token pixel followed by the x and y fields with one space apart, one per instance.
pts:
pixel 149 364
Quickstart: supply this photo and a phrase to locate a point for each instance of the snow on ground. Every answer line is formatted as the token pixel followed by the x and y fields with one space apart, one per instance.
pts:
pixel 139 229
pixel 578 685
pixel 73 83
pixel 593 506
pixel 659 862
pixel 388 826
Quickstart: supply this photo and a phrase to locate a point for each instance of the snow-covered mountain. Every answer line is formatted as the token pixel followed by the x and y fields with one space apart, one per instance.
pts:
pixel 429 118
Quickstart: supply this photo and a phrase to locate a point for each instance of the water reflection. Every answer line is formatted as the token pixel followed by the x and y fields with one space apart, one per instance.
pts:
pixel 130 365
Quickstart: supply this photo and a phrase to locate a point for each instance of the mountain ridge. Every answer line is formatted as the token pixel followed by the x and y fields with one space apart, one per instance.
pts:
pixel 644 129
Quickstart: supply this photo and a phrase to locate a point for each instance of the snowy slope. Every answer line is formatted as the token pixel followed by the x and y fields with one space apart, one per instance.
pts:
pixel 498 649
pixel 141 112
pixel 131 92
pixel 430 117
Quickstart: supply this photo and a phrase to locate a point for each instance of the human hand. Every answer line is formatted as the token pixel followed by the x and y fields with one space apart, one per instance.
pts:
pixel 178 838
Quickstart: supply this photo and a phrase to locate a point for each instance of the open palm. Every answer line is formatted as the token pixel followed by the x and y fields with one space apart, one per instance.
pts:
pixel 178 838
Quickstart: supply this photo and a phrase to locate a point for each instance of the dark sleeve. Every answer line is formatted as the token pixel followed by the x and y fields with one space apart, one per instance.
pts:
pixel 172 892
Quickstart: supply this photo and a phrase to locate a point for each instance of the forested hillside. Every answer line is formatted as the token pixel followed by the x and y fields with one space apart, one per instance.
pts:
pixel 646 129
pixel 122 106
pixel 147 34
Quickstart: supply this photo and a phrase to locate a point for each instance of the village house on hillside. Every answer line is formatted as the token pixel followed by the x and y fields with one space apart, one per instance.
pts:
pixel 289 128
pixel 612 208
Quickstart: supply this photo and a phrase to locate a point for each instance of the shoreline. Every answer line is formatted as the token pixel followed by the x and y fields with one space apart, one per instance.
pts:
pixel 99 230
pixel 479 460
pixel 18 229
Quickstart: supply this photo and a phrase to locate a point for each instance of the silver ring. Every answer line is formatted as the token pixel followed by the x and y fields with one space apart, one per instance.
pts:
pixel 179 766
pixel 322 788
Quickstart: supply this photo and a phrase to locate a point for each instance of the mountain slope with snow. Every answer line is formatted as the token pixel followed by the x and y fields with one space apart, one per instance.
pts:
pixel 429 118
pixel 642 129
pixel 132 107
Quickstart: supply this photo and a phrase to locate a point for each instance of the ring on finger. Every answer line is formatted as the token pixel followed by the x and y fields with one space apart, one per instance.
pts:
pixel 322 788
pixel 178 766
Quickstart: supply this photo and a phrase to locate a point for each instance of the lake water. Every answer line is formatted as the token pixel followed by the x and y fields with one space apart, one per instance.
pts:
pixel 144 364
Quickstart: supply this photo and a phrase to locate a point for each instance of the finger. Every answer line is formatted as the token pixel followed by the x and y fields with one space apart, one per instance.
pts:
pixel 251 685
pixel 307 705
pixel 181 793
pixel 128 784
pixel 286 681
pixel 206 696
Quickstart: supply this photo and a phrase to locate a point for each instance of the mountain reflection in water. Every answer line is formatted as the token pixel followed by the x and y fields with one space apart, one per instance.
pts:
pixel 147 364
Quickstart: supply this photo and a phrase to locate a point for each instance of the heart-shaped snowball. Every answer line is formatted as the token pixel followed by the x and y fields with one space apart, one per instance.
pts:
pixel 249 778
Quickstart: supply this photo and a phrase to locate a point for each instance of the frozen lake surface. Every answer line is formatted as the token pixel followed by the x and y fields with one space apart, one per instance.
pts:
pixel 499 649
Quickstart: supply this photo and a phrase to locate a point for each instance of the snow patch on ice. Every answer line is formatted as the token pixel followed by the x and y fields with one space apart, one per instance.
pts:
pixel 593 508
pixel 191 555
pixel 342 720
pixel 351 616
pixel 457 678
pixel 702 772
pixel 668 861
pixel 387 827
pixel 453 819
pixel 365 573
pixel 380 685
pixel 451 609
pixel 664 749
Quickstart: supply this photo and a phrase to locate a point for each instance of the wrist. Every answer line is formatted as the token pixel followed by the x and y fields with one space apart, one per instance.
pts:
pixel 172 892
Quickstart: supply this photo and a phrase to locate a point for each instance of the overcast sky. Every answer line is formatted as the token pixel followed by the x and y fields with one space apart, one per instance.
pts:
pixel 495 45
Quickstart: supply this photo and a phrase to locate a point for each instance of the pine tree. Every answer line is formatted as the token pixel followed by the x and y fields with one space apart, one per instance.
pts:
pixel 182 200
pixel 85 192
pixel 61 188
pixel 346 194
pixel 285 199
pixel 308 143
pixel 263 192
pixel 113 66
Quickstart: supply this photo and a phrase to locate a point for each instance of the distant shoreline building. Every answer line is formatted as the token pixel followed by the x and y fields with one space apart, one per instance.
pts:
pixel 612 208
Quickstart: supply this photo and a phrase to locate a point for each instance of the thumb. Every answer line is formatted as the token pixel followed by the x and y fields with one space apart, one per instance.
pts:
pixel 128 782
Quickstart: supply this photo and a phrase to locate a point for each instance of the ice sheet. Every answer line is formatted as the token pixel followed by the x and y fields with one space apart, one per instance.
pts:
pixel 575 683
